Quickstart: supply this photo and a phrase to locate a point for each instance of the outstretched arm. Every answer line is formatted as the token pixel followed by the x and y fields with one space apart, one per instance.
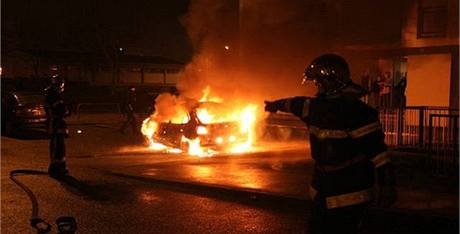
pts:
pixel 298 106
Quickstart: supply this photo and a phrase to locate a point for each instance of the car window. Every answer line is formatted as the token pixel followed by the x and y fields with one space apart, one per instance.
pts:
pixel 11 100
pixel 31 99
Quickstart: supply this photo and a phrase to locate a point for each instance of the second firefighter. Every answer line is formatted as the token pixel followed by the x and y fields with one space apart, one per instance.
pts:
pixel 56 111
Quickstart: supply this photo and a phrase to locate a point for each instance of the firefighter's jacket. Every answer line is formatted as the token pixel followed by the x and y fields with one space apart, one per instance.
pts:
pixel 346 142
pixel 56 111
pixel 129 104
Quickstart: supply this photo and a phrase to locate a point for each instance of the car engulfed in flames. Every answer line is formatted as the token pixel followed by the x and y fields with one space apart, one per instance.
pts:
pixel 203 129
pixel 217 135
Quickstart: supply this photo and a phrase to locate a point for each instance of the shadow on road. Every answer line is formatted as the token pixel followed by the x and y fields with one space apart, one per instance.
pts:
pixel 106 192
pixel 29 134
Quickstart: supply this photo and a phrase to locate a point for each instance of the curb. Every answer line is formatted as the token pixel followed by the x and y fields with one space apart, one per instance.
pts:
pixel 255 197
pixel 280 201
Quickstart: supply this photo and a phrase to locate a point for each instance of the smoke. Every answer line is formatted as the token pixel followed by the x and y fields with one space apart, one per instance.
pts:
pixel 267 49
pixel 245 52
pixel 200 20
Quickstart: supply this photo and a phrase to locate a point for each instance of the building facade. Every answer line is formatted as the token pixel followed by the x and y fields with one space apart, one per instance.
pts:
pixel 420 64
pixel 94 69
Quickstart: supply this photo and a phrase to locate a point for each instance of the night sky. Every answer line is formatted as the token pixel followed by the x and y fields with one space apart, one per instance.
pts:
pixel 141 27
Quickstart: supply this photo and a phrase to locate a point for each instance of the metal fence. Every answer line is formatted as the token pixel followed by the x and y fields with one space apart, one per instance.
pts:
pixel 443 143
pixel 409 127
pixel 431 130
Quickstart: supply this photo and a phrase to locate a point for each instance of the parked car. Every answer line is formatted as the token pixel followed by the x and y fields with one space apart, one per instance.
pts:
pixel 22 111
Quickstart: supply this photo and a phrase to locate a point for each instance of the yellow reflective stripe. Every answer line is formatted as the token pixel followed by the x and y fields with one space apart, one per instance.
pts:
pixel 306 108
pixel 328 133
pixel 349 199
pixel 380 159
pixel 362 131
pixel 312 192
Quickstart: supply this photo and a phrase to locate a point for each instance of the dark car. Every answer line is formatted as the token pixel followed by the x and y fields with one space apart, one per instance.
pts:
pixel 22 111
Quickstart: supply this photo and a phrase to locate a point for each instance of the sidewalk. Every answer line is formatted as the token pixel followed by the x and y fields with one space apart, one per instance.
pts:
pixel 420 190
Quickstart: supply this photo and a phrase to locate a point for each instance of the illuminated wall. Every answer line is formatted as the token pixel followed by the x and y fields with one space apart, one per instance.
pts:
pixel 428 79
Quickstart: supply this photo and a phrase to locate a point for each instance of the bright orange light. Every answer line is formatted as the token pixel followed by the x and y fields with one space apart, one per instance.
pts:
pixel 238 130
pixel 204 116
pixel 232 139
pixel 174 151
pixel 195 149
pixel 201 130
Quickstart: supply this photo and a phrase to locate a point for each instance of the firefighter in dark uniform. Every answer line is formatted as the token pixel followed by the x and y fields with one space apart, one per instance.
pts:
pixel 56 111
pixel 347 145
pixel 128 109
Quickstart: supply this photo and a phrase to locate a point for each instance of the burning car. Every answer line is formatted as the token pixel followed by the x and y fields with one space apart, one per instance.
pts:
pixel 204 128
pixel 215 135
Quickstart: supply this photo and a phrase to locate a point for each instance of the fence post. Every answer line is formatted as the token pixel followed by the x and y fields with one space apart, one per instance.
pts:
pixel 430 134
pixel 401 112
pixel 430 162
pixel 421 123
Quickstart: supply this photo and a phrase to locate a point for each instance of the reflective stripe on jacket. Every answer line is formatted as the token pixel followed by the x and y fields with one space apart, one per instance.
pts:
pixel 346 141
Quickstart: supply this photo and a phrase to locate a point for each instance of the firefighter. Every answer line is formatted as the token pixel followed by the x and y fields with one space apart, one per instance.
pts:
pixel 347 145
pixel 128 109
pixel 56 111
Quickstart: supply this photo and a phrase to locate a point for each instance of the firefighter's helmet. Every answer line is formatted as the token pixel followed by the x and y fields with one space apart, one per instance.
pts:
pixel 329 72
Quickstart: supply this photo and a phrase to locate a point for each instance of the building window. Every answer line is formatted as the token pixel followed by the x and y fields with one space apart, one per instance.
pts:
pixel 154 70
pixel 172 70
pixel 135 69
pixel 432 21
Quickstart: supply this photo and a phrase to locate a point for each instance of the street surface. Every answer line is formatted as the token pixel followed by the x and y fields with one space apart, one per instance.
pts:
pixel 118 186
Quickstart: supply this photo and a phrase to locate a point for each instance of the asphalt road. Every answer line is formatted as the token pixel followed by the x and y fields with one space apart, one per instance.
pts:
pixel 116 187
pixel 104 203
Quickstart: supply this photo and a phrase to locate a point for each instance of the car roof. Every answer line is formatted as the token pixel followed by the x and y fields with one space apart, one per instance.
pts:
pixel 20 95
pixel 23 93
pixel 26 93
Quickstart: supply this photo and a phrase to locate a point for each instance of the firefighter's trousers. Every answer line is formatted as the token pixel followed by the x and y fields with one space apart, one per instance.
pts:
pixel 131 119
pixel 57 167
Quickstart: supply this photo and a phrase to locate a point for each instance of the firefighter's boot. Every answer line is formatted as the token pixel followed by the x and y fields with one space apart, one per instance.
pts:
pixel 58 169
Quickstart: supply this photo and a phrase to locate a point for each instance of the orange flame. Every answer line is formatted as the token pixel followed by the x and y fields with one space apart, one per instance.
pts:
pixel 239 141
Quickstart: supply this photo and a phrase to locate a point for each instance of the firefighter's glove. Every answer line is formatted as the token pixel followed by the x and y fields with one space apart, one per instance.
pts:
pixel 271 107
pixel 385 190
